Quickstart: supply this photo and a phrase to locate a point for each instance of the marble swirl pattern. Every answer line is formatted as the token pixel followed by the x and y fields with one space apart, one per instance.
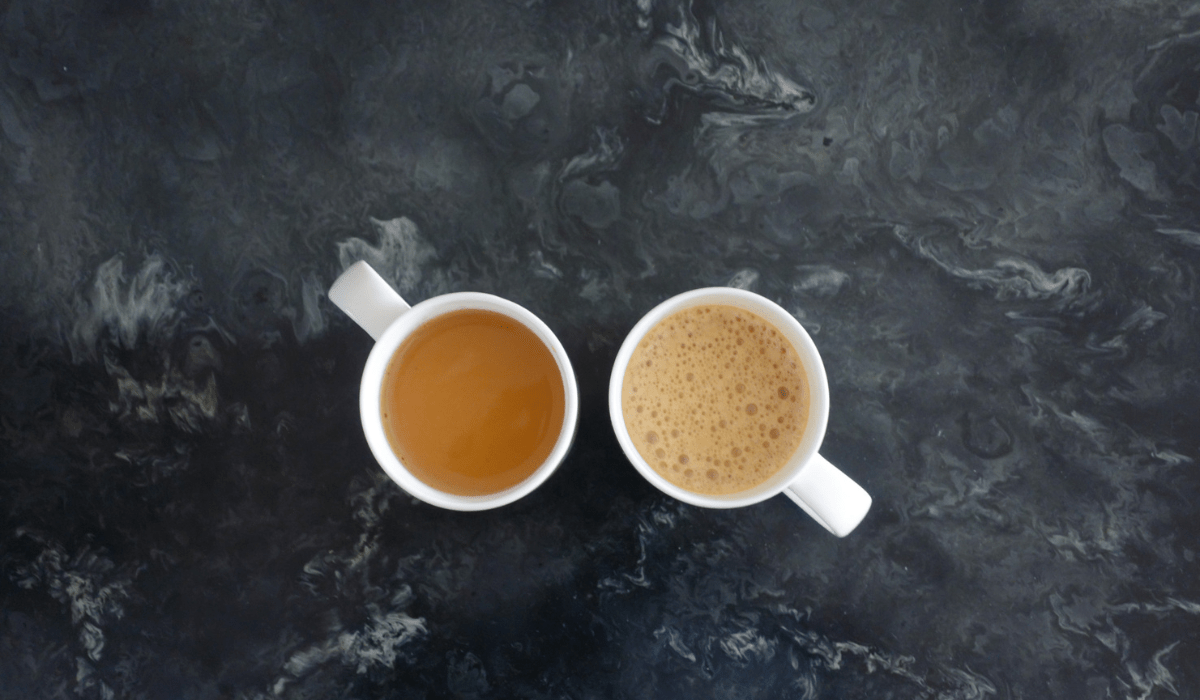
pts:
pixel 987 214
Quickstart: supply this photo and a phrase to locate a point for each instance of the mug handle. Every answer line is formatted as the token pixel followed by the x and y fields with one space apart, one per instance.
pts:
pixel 367 298
pixel 832 499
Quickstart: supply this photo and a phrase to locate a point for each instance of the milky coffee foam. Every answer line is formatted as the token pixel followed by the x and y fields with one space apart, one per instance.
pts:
pixel 715 399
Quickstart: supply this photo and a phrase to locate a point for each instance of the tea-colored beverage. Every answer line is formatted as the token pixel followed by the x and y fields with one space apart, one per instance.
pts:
pixel 715 399
pixel 472 402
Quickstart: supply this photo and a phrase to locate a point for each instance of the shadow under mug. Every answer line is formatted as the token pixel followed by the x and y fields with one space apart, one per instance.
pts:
pixel 833 499
pixel 372 303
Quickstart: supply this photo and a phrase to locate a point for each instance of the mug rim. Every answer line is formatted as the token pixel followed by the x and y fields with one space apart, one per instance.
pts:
pixel 370 391
pixel 814 368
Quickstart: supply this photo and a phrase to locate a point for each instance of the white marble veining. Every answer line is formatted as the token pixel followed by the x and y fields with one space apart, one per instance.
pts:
pixel 987 215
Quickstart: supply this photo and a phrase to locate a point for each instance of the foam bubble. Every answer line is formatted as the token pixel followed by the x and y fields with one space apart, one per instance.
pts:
pixel 690 396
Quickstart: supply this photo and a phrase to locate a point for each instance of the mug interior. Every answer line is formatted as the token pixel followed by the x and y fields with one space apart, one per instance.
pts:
pixel 790 328
pixel 372 381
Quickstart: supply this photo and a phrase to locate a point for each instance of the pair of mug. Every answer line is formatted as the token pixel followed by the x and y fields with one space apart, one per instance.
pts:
pixel 819 488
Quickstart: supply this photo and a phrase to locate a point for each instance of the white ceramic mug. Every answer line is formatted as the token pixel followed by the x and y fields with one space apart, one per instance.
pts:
pixel 372 303
pixel 833 499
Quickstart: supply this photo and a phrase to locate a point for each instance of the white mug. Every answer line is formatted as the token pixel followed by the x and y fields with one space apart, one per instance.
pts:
pixel 372 303
pixel 833 499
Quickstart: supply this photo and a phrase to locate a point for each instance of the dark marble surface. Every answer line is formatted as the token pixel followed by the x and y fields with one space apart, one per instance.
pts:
pixel 986 213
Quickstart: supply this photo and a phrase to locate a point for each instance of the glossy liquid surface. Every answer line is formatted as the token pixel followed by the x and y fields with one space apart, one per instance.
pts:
pixel 472 402
pixel 715 399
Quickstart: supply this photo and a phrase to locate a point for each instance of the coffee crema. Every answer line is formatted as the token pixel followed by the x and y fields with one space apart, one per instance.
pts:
pixel 472 402
pixel 715 399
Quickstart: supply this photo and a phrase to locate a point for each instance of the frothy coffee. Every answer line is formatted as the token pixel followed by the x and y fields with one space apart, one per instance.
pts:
pixel 715 399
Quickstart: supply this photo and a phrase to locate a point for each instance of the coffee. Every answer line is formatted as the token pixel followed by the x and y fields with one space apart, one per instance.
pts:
pixel 715 399
pixel 472 402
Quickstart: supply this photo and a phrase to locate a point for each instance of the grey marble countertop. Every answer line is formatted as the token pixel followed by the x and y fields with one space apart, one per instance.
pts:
pixel 987 215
